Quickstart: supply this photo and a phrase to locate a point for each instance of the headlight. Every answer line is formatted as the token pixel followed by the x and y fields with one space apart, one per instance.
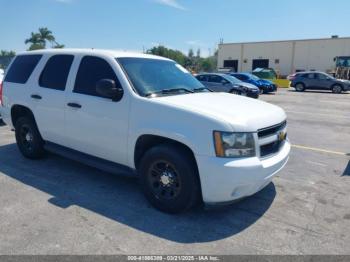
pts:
pixel 234 145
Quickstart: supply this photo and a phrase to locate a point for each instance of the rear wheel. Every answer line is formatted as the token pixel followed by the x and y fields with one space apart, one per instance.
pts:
pixel 28 138
pixel 169 179
pixel 300 87
pixel 337 89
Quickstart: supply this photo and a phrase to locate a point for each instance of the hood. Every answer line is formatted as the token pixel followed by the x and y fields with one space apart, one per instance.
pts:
pixel 242 113
pixel 265 82
pixel 343 81
pixel 247 85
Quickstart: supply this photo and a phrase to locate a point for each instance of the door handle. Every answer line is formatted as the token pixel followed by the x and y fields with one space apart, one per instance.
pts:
pixel 36 97
pixel 74 105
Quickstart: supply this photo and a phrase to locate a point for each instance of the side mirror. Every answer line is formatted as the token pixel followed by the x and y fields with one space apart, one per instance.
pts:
pixel 224 82
pixel 108 89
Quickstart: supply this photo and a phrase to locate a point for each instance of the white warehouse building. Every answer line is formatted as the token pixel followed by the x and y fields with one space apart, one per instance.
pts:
pixel 285 57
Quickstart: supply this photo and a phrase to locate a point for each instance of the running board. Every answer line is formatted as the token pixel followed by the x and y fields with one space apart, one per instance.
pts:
pixel 92 161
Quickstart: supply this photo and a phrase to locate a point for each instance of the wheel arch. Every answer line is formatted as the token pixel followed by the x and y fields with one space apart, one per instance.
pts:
pixel 18 111
pixel 146 142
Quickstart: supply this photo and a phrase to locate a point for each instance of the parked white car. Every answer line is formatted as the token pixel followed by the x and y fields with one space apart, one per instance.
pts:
pixel 147 116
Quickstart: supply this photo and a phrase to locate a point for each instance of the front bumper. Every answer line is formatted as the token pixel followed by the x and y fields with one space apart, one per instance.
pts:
pixel 225 180
pixel 253 94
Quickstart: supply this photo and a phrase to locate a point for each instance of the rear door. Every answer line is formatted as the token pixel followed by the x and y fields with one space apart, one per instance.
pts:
pixel 203 79
pixel 48 97
pixel 309 80
pixel 96 125
pixel 323 82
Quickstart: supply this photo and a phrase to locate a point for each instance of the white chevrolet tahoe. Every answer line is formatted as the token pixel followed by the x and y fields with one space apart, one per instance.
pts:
pixel 147 116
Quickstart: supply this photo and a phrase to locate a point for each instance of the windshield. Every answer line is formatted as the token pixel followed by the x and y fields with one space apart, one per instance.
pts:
pixel 343 62
pixel 253 77
pixel 150 76
pixel 233 79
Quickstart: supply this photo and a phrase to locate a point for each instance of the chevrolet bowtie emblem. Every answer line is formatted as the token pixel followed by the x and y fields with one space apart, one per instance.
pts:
pixel 282 136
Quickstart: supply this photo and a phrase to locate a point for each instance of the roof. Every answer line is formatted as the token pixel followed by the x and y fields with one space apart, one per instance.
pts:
pixel 91 51
pixel 281 41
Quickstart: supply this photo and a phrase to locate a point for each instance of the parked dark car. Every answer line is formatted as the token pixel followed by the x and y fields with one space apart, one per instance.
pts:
pixel 265 86
pixel 318 81
pixel 226 83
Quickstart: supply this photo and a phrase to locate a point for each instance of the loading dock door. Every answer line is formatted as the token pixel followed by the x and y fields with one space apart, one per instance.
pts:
pixel 231 64
pixel 260 63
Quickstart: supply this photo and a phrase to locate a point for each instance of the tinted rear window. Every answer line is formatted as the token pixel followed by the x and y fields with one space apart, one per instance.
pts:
pixel 56 72
pixel 21 68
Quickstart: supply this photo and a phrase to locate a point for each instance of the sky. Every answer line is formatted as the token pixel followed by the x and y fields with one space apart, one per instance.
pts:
pixel 138 25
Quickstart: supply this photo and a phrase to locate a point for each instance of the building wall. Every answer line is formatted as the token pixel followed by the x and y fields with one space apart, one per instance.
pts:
pixel 314 54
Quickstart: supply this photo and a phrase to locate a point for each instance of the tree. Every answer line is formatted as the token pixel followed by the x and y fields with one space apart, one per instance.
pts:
pixel 198 53
pixel 176 55
pixel 39 40
pixel 6 57
pixel 35 41
pixel 190 53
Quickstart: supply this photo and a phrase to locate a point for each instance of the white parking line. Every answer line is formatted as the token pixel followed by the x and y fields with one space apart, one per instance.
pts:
pixel 315 113
pixel 320 150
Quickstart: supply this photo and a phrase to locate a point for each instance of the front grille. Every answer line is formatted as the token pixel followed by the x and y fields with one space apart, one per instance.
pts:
pixel 271 130
pixel 271 148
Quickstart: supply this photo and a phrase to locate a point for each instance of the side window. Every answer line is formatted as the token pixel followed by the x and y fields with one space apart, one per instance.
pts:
pixel 215 79
pixel 55 73
pixel 309 76
pixel 202 78
pixel 321 76
pixel 21 68
pixel 91 70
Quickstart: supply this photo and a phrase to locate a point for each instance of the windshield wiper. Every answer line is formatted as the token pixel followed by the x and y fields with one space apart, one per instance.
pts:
pixel 169 91
pixel 201 89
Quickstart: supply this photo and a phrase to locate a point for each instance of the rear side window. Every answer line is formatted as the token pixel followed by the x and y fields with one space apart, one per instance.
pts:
pixel 215 78
pixel 21 68
pixel 55 73
pixel 91 70
pixel 202 78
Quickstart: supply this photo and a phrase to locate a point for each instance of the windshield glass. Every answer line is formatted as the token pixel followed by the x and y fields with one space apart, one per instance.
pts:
pixel 232 79
pixel 154 76
pixel 253 77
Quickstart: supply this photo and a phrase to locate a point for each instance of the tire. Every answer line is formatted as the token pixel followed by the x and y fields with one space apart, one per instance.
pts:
pixel 28 138
pixel 169 179
pixel 337 89
pixel 299 87
pixel 235 92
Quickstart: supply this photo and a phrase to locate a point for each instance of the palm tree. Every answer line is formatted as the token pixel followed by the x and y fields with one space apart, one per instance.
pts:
pixel 35 41
pixel 39 40
pixel 46 35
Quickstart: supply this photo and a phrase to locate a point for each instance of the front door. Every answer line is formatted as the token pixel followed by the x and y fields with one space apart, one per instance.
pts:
pixel 96 125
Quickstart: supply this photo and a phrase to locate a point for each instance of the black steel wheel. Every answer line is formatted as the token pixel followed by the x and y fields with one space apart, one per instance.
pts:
pixel 28 138
pixel 169 178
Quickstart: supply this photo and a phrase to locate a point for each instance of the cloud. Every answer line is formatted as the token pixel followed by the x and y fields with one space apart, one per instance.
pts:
pixel 171 3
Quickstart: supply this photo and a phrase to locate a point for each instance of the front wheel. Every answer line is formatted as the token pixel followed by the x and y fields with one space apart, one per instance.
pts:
pixel 337 89
pixel 28 138
pixel 169 179
pixel 235 92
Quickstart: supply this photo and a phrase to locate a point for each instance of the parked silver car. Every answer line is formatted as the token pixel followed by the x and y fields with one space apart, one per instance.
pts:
pixel 318 81
pixel 225 83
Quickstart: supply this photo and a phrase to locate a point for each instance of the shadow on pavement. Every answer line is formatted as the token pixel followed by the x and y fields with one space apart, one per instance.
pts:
pixel 309 91
pixel 347 170
pixel 120 199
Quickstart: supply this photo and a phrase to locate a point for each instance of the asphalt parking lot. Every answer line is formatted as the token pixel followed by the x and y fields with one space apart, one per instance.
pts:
pixel 57 206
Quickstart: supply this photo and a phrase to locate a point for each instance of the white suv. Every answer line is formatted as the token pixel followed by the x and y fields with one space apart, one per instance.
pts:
pixel 144 115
